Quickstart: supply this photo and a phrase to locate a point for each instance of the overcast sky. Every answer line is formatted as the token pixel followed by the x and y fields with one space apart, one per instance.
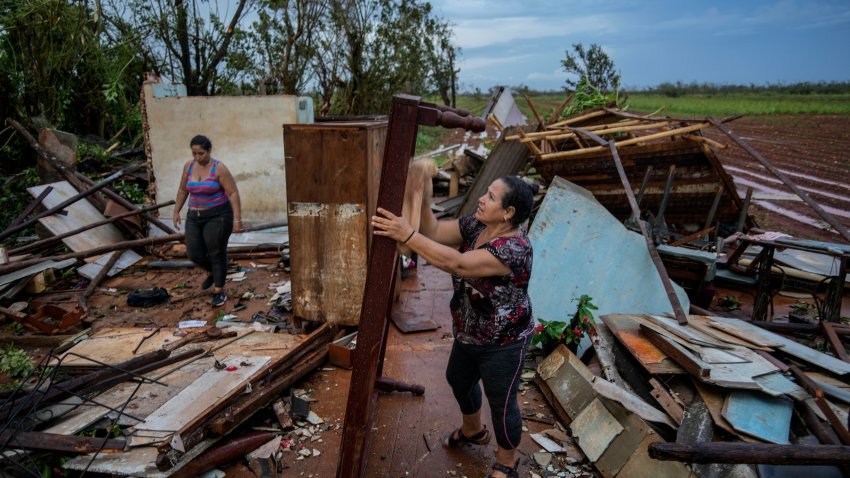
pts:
pixel 512 42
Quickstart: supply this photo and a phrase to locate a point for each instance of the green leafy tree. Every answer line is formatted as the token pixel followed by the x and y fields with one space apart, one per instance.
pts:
pixel 385 48
pixel 285 39
pixel 199 44
pixel 594 64
pixel 58 61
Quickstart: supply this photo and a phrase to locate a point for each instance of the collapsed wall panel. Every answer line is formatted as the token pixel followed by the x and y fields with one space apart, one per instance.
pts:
pixel 245 132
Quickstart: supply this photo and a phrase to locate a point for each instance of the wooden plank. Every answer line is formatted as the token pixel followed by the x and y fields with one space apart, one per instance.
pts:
pixel 653 359
pixel 791 347
pixel 666 400
pixel 594 429
pixel 720 452
pixel 211 388
pixel 113 346
pixel 35 269
pixel 58 443
pixel 79 214
pixel 837 346
pixel 744 335
pixel 682 356
pixel 759 415
pixel 127 259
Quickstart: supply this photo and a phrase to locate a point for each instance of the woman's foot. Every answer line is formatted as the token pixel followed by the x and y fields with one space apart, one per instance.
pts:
pixel 219 298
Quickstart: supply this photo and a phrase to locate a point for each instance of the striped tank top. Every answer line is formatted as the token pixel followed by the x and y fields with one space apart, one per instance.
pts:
pixel 207 193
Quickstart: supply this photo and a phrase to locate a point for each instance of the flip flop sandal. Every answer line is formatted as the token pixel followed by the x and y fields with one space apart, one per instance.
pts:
pixel 480 438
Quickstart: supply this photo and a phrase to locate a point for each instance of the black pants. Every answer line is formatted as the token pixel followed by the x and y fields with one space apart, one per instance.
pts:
pixel 207 232
pixel 499 369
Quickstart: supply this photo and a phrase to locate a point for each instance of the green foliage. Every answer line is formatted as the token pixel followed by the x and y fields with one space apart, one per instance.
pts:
pixel 91 154
pixel 729 302
pixel 131 191
pixel 14 362
pixel 14 197
pixel 56 61
pixel 588 96
pixel 551 333
pixel 592 64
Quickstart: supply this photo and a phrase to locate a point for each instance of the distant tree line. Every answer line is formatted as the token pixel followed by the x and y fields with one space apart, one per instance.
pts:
pixel 803 88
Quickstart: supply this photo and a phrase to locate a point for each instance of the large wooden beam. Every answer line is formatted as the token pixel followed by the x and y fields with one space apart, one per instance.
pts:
pixel 751 453
pixel 57 443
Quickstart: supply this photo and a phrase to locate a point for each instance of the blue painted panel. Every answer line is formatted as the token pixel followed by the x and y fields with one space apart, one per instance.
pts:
pixel 759 415
pixel 580 248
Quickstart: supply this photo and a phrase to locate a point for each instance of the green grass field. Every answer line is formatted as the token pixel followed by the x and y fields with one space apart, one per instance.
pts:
pixel 692 105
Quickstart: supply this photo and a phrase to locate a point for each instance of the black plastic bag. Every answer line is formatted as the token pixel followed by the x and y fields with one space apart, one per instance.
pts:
pixel 147 298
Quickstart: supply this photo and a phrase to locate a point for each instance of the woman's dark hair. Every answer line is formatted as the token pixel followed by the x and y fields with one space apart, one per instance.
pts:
pixel 519 195
pixel 202 141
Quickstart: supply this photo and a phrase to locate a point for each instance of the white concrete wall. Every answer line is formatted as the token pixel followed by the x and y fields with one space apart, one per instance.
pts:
pixel 246 134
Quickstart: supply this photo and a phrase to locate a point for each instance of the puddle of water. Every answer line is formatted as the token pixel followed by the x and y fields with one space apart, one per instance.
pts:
pixel 793 215
pixel 837 197
pixel 767 190
pixel 815 179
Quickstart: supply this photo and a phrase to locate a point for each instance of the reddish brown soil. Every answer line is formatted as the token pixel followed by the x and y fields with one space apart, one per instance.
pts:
pixel 812 150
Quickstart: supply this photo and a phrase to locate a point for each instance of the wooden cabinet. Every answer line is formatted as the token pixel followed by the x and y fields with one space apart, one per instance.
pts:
pixel 333 171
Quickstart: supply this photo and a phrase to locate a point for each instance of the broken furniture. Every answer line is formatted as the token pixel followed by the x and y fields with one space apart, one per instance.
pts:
pixel 763 264
pixel 407 112
pixel 333 169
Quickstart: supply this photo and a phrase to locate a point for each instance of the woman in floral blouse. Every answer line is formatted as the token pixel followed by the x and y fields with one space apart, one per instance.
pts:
pixel 489 256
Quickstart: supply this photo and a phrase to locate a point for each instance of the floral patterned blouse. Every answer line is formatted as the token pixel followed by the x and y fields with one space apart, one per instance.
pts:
pixel 493 310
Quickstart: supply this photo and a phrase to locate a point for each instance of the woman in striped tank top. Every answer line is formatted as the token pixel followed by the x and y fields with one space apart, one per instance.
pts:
pixel 214 212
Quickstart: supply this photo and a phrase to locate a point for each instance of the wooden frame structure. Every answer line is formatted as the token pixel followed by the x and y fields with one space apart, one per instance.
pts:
pixel 406 114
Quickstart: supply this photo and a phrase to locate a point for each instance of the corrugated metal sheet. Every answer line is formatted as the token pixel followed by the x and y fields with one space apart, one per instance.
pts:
pixel 580 248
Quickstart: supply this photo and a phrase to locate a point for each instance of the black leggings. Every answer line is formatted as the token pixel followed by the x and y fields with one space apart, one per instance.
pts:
pixel 207 232
pixel 499 369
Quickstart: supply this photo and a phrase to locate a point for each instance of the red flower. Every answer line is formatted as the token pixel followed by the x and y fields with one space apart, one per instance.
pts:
pixel 584 319
pixel 539 327
pixel 577 332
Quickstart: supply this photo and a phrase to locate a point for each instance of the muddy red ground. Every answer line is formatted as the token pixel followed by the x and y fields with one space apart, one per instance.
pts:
pixel 812 150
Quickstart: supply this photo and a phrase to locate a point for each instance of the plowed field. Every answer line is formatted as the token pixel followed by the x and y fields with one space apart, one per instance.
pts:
pixel 811 150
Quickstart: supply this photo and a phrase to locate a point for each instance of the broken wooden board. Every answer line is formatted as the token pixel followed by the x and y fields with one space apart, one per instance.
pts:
pixel 790 347
pixel 573 232
pixel 631 402
pixel 733 375
pixel 139 461
pixel 127 259
pixel 35 269
pixel 707 326
pixel 414 313
pixel 714 398
pixel 569 380
pixel 761 416
pixel 114 345
pixel 594 428
pixel 215 386
pixel 80 213
pixel 650 357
